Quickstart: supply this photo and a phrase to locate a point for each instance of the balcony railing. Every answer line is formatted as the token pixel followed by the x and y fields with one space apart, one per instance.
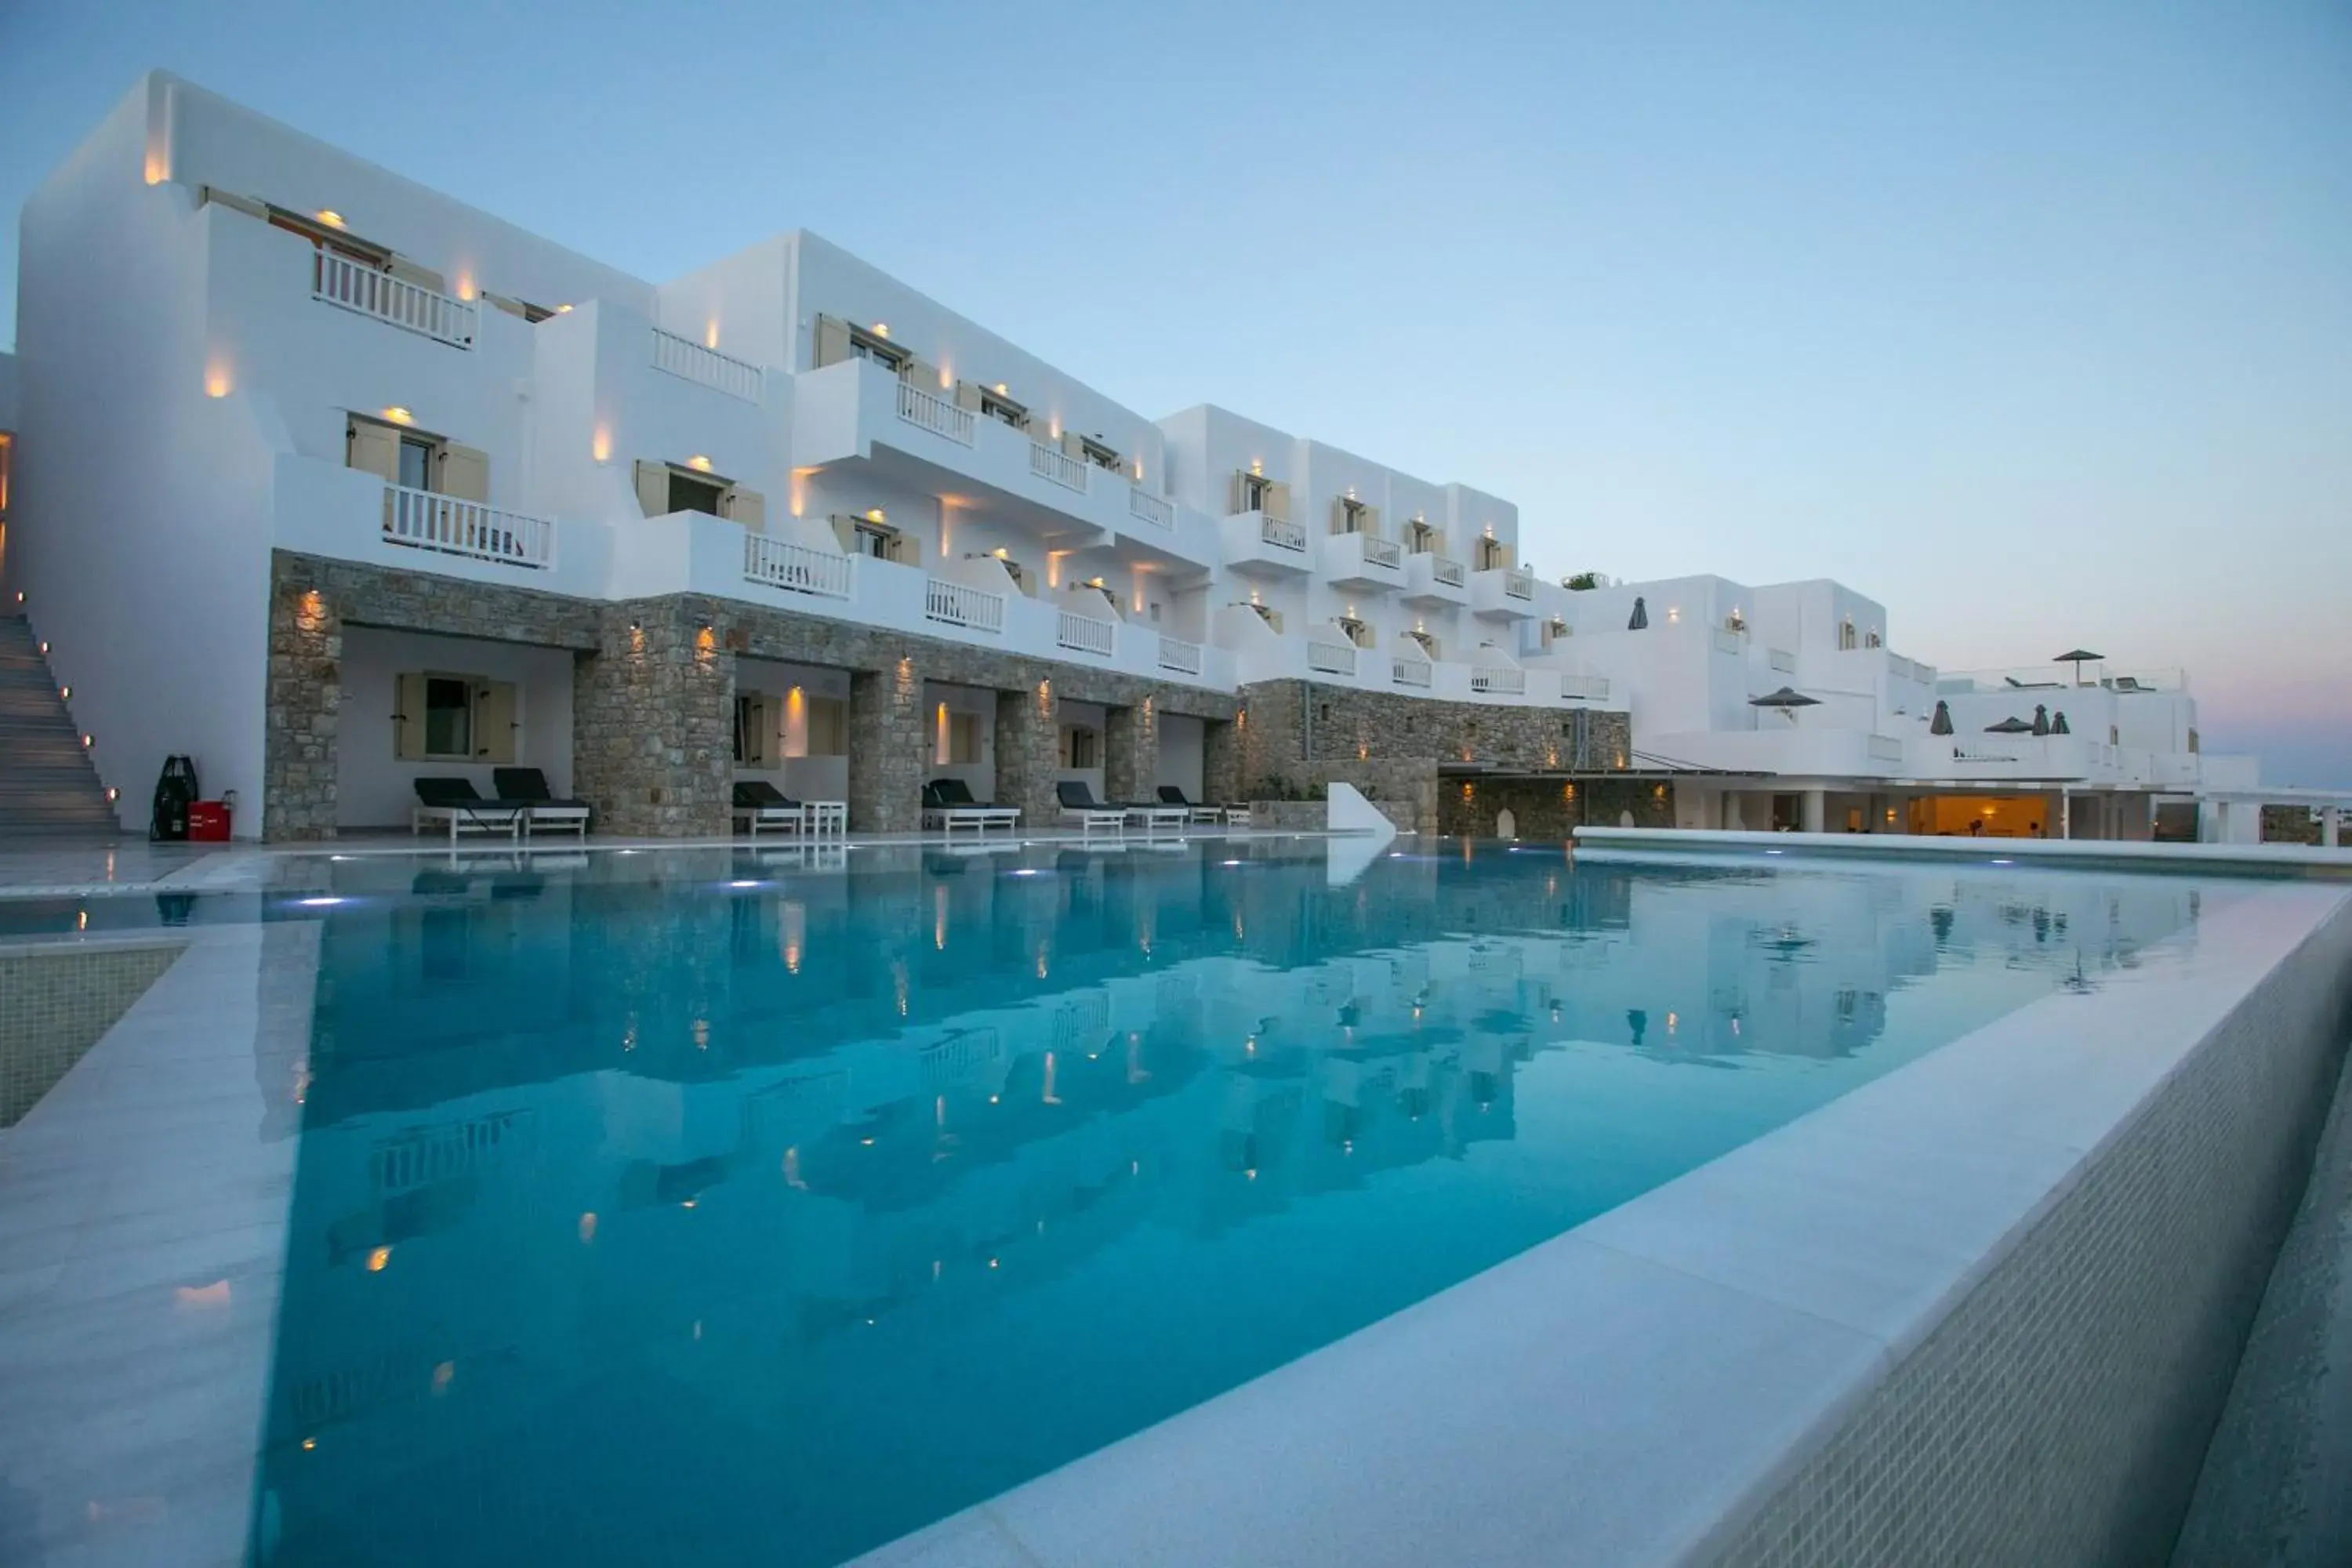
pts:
pixel 1058 467
pixel 1281 535
pixel 1503 680
pixel 689 361
pixel 1330 658
pixel 1885 749
pixel 936 415
pixel 426 521
pixel 960 605
pixel 1145 507
pixel 1728 641
pixel 1585 687
pixel 1406 671
pixel 1084 633
pixel 1781 659
pixel 1176 654
pixel 1383 552
pixel 1446 569
pixel 795 568
pixel 371 291
pixel 1518 582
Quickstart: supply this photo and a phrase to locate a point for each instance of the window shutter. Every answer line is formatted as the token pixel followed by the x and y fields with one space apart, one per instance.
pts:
pixel 967 395
pixel 465 473
pixel 831 341
pixel 653 488
pixel 1338 514
pixel 1237 494
pixel 845 533
pixel 921 373
pixel 494 721
pixel 749 507
pixel 408 719
pixel 1372 520
pixel 1073 444
pixel 1277 503
pixel 375 449
pixel 905 550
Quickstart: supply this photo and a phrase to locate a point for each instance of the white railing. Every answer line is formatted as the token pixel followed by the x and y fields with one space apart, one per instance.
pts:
pixel 1330 658
pixel 959 1059
pixel 1176 654
pixel 1587 688
pixel 795 568
pixel 1084 633
pixel 1281 535
pixel 1786 663
pixel 1518 582
pixel 1728 641
pixel 1157 510
pixel 1406 671
pixel 1059 467
pixel 451 1152
pixel 371 291
pixel 1901 669
pixel 1969 755
pixel 1446 569
pixel 1383 552
pixel 426 521
pixel 960 606
pixel 1885 749
pixel 1503 679
pixel 936 415
pixel 689 361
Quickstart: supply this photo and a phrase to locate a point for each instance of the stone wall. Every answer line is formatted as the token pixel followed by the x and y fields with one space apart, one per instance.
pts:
pixel 652 721
pixel 1552 808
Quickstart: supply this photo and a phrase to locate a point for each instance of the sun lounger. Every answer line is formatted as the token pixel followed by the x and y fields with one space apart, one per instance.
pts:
pixel 455 801
pixel 947 805
pixel 1078 803
pixel 1171 795
pixel 759 804
pixel 543 811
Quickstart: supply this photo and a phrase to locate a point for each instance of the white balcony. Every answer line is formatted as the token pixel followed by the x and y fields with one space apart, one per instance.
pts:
pixel 1502 592
pixel 1330 657
pixel 1362 560
pixel 1498 679
pixel 1576 687
pixel 1056 467
pixel 1155 512
pixel 423 520
pixel 1084 634
pixel 1436 581
pixel 796 568
pixel 1406 669
pixel 1259 545
pixel 1179 656
pixel 926 411
pixel 960 605
pixel 368 291
pixel 689 361
pixel 348 514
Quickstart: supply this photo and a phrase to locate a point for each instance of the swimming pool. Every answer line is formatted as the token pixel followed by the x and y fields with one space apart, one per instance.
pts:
pixel 712 1207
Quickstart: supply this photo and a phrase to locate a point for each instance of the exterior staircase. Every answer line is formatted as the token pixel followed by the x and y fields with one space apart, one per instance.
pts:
pixel 47 782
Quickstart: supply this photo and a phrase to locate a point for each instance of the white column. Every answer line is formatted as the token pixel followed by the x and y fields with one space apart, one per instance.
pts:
pixel 2329 820
pixel 1814 808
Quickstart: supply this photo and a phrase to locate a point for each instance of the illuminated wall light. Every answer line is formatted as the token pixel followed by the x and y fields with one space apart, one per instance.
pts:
pixel 399 416
pixel 465 290
pixel 699 463
pixel 65 693
pixel 1000 389
pixel 563 310
pixel 601 446
pixel 218 383
pixel 710 334
pixel 331 218
pixel 874 514
pixel 881 329
pixel 84 742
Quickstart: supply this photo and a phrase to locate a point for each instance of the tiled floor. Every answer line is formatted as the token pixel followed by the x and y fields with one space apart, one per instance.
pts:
pixel 143 1207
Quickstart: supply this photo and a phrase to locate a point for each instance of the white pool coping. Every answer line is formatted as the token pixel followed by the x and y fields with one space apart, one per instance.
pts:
pixel 2193 858
pixel 1633 1392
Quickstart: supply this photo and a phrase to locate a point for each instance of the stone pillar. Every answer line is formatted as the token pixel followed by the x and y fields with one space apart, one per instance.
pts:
pixel 653 713
pixel 1220 763
pixel 890 749
pixel 1132 752
pixel 1814 811
pixel 302 716
pixel 1029 753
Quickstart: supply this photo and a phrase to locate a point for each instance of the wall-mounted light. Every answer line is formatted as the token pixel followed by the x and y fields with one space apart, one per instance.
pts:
pixel 65 693
pixel 600 447
pixel 874 514
pixel 112 795
pixel 881 329
pixel 999 553
pixel 1000 389
pixel 563 310
pixel 331 218
pixel 85 743
pixel 218 383
pixel 399 416
pixel 710 334
pixel 699 463
pixel 1257 467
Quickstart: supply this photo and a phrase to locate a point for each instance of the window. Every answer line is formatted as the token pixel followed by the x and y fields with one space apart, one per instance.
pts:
pixel 1004 410
pixel 1492 555
pixel 1102 457
pixel 1081 748
pixel 667 487
pixel 1358 632
pixel 1256 492
pixel 865 345
pixel 1350 515
pixel 875 540
pixel 1420 538
pixel 1845 635
pixel 1872 639
pixel 415 460
pixel 1427 641
pixel 415 463
pixel 837 340
pixel 1253 490
pixel 687 493
pixel 754 735
pixel 441 717
pixel 828 727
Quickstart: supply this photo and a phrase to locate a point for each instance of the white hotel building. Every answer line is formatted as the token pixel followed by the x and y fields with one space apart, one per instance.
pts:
pixel 330 481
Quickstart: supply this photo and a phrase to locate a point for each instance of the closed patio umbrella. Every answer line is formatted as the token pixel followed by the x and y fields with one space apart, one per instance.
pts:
pixel 1787 699
pixel 1941 724
pixel 2058 724
pixel 2041 719
pixel 1640 616
pixel 2010 726
pixel 2078 657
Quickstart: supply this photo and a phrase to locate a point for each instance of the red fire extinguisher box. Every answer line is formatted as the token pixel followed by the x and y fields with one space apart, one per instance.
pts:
pixel 208 822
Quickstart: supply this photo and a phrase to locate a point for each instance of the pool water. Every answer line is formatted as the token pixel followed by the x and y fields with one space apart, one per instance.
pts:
pixel 712 1208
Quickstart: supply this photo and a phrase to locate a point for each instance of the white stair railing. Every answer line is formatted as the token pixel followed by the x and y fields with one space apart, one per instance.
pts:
pixel 1059 467
pixel 1084 633
pixel 1330 658
pixel 1406 671
pixel 795 568
pixel 371 292
pixel 1502 679
pixel 1157 510
pixel 1176 654
pixel 1281 535
pixel 424 521
pixel 958 605
pixel 689 361
pixel 936 415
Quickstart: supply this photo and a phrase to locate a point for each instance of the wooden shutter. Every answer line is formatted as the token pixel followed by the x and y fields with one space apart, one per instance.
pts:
pixel 921 374
pixel 1371 521
pixel 408 719
pixel 828 727
pixel 1338 514
pixel 844 532
pixel 832 343
pixel 465 472
pixel 653 488
pixel 749 507
pixel 967 395
pixel 495 722
pixel 1277 503
pixel 374 448
pixel 1237 494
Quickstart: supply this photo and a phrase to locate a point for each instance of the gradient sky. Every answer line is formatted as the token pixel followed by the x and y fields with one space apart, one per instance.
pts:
pixel 2036 326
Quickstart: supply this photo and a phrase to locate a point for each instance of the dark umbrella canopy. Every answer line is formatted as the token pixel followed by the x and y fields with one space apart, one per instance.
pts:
pixel 2078 657
pixel 1787 699
pixel 2041 719
pixel 2058 724
pixel 1941 724
pixel 1640 616
pixel 2010 726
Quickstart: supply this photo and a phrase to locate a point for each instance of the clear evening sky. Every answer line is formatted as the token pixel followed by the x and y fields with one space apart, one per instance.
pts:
pixel 2033 322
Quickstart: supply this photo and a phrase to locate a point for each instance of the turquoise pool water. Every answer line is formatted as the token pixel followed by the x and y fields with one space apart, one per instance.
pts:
pixel 711 1207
